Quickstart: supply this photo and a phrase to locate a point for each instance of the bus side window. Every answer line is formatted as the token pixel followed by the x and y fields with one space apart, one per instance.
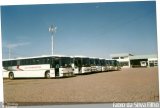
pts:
pixel 13 63
pixel 28 62
pixel 4 63
pixel 47 61
pixel 18 62
pixel 37 61
pixel 33 61
pixel 21 62
pixel 8 63
pixel 24 61
pixel 42 61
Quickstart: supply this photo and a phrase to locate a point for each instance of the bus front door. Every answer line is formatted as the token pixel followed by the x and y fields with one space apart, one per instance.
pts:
pixel 57 66
pixel 80 69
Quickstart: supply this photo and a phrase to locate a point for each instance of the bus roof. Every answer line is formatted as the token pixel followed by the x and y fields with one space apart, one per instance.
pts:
pixel 35 57
pixel 102 58
pixel 94 57
pixel 80 56
pixel 109 59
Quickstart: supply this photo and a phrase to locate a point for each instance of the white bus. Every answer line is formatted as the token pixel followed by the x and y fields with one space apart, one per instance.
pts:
pixel 44 66
pixel 112 65
pixel 95 65
pixel 109 64
pixel 103 64
pixel 81 65
pixel 98 65
pixel 116 65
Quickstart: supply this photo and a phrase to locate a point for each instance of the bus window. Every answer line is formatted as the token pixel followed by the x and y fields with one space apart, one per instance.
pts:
pixel 18 62
pixel 47 61
pixel 37 61
pixel 22 62
pixel 76 63
pixel 28 62
pixel 5 63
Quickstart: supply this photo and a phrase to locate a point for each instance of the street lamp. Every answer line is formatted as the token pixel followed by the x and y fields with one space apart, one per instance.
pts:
pixel 52 30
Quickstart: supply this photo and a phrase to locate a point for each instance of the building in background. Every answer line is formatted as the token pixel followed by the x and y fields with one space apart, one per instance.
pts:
pixel 128 60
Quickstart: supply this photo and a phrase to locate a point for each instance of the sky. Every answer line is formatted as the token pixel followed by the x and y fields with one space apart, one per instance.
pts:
pixel 89 29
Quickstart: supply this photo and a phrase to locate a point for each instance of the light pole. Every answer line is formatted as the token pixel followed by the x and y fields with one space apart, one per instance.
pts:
pixel 52 30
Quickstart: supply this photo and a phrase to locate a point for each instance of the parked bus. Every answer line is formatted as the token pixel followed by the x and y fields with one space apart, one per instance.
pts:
pixel 116 65
pixel 44 66
pixel 81 65
pixel 112 64
pixel 103 64
pixel 98 65
pixel 108 65
pixel 95 65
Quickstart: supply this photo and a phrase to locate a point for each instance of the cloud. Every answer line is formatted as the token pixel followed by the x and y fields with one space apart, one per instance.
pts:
pixel 14 45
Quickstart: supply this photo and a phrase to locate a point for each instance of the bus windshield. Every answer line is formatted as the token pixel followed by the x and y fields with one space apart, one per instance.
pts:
pixel 85 62
pixel 103 63
pixel 65 62
pixel 92 61
pixel 115 63
pixel 97 62
pixel 111 62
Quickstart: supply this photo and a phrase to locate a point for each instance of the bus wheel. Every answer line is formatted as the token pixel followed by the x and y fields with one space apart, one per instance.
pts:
pixel 47 74
pixel 11 75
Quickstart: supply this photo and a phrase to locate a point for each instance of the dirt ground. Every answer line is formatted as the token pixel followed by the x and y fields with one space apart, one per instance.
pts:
pixel 127 85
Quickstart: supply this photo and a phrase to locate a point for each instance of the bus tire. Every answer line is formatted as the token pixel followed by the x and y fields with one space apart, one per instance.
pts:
pixel 47 74
pixel 11 75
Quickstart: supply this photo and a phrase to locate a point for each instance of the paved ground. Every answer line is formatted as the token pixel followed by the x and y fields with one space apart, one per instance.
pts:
pixel 127 85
